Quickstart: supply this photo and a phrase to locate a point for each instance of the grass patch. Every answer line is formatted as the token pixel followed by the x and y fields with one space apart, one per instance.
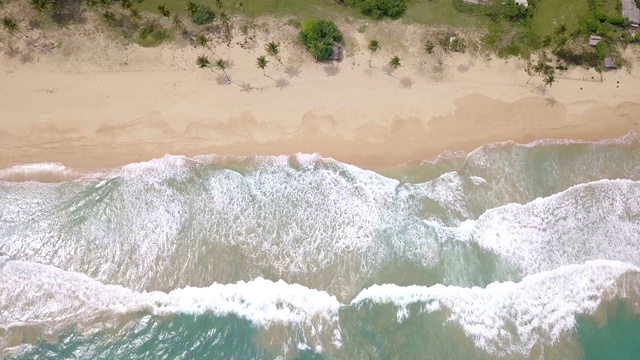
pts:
pixel 256 8
pixel 549 14
pixel 152 36
pixel 437 12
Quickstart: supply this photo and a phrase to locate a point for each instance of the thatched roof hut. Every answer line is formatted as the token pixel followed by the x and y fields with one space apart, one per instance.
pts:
pixel 610 63
pixel 336 52
pixel 631 12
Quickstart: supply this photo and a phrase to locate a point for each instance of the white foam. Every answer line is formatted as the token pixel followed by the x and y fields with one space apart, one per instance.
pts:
pixel 585 222
pixel 41 172
pixel 543 307
pixel 54 299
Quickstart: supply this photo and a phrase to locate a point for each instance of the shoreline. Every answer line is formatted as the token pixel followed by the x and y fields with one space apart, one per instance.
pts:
pixel 109 104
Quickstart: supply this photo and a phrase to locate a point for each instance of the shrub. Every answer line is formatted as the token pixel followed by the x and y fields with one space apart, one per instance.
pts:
pixel 318 37
pixel 379 8
pixel 202 15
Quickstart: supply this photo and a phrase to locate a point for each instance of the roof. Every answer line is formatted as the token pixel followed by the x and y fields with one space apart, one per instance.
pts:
pixel 609 63
pixel 336 52
pixel 594 40
pixel 631 12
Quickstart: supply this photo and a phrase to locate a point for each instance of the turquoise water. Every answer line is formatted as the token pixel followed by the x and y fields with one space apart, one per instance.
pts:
pixel 511 252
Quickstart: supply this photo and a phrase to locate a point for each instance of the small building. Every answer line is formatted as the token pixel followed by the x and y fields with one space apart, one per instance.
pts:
pixel 631 12
pixel 336 52
pixel 610 63
pixel 594 40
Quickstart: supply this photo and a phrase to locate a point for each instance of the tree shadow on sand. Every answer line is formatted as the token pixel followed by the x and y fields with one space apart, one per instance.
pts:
pixel 331 69
pixel 292 71
pixel 245 87
pixel 282 83
pixel 406 82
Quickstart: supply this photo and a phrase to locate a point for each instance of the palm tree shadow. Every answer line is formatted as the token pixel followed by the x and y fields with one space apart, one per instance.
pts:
pixel 26 57
pixel 230 63
pixel 12 52
pixel 221 80
pixel 282 83
pixel 331 69
pixel 551 101
pixel 292 71
pixel 406 82
pixel 463 68
pixel 245 87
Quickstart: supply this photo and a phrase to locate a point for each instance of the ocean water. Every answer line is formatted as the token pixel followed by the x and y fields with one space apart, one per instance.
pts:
pixel 508 252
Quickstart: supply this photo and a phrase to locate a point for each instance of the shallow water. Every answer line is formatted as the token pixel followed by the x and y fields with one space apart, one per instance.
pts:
pixel 511 251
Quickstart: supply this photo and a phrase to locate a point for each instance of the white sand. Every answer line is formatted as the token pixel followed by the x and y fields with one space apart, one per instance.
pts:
pixel 99 103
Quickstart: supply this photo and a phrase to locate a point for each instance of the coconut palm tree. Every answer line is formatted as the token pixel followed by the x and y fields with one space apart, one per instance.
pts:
pixel 126 4
pixel 204 41
pixel 203 62
pixel 163 11
pixel 549 80
pixel 262 64
pixel 222 65
pixel 177 22
pixel 42 5
pixel 428 47
pixel 192 7
pixel 273 49
pixel 10 25
pixel 135 13
pixel 373 47
pixel 394 63
pixel 108 17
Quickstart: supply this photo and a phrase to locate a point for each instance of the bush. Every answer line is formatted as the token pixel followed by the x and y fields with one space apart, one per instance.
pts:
pixel 379 8
pixel 318 37
pixel 202 15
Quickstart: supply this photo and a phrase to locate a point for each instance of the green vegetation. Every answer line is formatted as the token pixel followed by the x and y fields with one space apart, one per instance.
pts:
pixel 262 62
pixel 200 14
pixel 394 63
pixel 152 35
pixel 318 37
pixel 378 8
pixel 373 47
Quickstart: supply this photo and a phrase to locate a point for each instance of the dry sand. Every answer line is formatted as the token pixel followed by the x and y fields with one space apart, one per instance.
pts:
pixel 98 103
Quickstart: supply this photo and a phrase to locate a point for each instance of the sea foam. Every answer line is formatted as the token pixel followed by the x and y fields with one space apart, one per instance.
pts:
pixel 543 307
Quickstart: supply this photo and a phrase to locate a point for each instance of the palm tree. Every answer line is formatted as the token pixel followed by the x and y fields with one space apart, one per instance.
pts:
pixel 549 80
pixel 163 11
pixel 394 63
pixel 373 47
pixel 203 62
pixel 192 7
pixel 177 22
pixel 428 47
pixel 42 5
pixel 273 49
pixel 10 24
pixel 202 40
pixel 222 65
pixel 109 17
pixel 262 64
pixel 135 13
pixel 126 4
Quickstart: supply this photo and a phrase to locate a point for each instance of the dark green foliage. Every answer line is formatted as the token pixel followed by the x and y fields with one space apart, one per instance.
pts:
pixel 379 8
pixel 202 15
pixel 318 37
pixel 152 35
pixel 576 57
pixel 43 5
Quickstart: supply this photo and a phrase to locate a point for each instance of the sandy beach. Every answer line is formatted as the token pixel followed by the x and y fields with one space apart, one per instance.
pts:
pixel 99 103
